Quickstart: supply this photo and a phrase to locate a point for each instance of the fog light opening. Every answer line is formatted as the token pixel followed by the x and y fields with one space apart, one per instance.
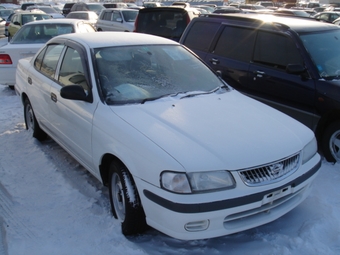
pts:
pixel 197 226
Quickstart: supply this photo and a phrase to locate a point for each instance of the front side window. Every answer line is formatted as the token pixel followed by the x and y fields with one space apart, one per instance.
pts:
pixel 107 16
pixel 72 70
pixel 116 16
pixel 276 50
pixel 324 49
pixel 135 74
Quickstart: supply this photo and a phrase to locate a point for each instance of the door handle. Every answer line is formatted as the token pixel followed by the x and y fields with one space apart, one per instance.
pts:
pixel 29 80
pixel 259 74
pixel 54 97
pixel 214 61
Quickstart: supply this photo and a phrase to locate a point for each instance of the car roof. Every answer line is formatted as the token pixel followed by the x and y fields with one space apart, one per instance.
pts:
pixel 109 39
pixel 120 9
pixel 166 8
pixel 55 21
pixel 297 24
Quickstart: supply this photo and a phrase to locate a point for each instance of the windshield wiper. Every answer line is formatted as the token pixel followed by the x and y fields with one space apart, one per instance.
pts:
pixel 197 93
pixel 158 97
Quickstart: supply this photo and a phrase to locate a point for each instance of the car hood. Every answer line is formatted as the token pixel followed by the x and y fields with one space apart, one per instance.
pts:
pixel 219 130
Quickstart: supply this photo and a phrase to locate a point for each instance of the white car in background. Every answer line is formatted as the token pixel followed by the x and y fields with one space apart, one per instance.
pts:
pixel 116 19
pixel 178 148
pixel 29 39
pixel 90 16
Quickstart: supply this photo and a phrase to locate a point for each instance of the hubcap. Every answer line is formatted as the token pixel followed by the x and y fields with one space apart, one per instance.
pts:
pixel 29 117
pixel 334 145
pixel 118 197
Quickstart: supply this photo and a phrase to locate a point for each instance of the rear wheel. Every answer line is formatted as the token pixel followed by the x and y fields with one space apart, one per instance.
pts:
pixel 31 122
pixel 331 142
pixel 125 201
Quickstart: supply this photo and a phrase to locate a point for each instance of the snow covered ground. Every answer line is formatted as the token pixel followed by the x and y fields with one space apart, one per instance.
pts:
pixel 50 205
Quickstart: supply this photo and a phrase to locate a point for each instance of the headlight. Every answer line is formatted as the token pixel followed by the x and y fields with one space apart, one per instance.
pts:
pixel 309 150
pixel 197 182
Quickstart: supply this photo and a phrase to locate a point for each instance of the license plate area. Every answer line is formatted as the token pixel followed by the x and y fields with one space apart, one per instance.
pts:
pixel 271 197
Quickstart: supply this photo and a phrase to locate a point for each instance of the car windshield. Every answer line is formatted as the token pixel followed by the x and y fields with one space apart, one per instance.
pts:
pixel 95 7
pixel 324 48
pixel 48 9
pixel 136 74
pixel 40 33
pixel 34 17
pixel 130 16
pixel 5 13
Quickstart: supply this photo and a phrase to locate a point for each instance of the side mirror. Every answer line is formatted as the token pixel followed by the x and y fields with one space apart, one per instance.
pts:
pixel 119 20
pixel 295 69
pixel 73 92
pixel 16 23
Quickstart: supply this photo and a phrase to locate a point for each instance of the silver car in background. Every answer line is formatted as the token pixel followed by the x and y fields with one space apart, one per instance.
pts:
pixel 117 19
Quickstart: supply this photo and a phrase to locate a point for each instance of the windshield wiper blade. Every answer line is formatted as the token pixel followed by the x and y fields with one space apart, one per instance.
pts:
pixel 200 93
pixel 159 97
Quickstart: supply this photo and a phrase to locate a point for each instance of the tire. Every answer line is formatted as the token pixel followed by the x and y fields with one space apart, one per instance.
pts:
pixel 331 142
pixel 31 122
pixel 125 202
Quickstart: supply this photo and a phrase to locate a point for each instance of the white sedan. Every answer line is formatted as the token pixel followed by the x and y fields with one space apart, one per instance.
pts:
pixel 179 149
pixel 29 39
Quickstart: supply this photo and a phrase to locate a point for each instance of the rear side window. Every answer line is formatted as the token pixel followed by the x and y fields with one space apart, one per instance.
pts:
pixel 276 50
pixel 200 35
pixel 47 60
pixel 236 43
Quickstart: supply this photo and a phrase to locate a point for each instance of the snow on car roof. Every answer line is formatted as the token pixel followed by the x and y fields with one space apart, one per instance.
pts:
pixel 105 39
pixel 58 21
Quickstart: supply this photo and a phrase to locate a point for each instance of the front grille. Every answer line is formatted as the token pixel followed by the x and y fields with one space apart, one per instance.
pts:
pixel 270 173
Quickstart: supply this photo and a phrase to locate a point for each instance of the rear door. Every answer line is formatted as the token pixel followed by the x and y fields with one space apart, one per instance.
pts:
pixel 231 54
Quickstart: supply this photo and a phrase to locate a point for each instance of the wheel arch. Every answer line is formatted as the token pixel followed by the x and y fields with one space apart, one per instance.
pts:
pixel 325 121
pixel 23 98
pixel 104 167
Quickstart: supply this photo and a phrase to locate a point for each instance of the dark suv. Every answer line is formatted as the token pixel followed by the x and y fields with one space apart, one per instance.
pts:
pixel 168 22
pixel 67 8
pixel 289 63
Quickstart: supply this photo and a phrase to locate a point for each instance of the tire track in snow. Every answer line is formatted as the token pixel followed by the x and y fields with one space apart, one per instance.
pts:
pixel 11 219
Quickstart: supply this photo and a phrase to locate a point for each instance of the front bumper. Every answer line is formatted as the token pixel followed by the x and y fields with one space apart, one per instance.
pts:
pixel 190 217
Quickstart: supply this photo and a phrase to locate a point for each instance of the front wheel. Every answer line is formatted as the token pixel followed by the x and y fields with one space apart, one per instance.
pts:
pixel 31 122
pixel 125 202
pixel 331 142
